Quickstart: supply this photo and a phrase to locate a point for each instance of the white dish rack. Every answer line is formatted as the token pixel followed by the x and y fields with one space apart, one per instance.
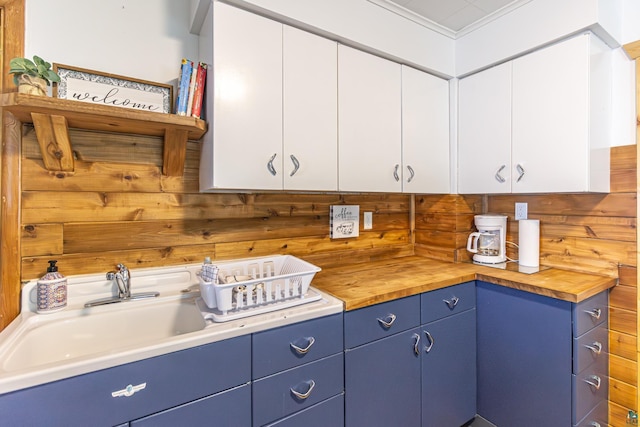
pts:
pixel 254 286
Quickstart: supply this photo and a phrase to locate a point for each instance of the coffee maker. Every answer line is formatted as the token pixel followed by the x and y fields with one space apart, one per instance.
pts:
pixel 488 244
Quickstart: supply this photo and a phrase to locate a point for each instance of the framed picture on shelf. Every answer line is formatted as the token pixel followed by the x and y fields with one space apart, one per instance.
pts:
pixel 95 87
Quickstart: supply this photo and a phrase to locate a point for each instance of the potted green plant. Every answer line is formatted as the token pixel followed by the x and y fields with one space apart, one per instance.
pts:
pixel 32 77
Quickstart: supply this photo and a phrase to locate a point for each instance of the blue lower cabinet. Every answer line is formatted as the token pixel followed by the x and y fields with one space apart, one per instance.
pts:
pixel 382 382
pixel 329 413
pixel 449 370
pixel 225 409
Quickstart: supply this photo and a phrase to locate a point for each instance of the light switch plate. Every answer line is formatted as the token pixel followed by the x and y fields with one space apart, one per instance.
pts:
pixel 368 220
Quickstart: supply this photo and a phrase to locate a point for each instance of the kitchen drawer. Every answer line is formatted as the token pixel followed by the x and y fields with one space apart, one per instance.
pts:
pixel 447 301
pixel 590 313
pixel 289 346
pixel 227 408
pixel 586 396
pixel 274 398
pixel 598 417
pixel 590 347
pixel 381 320
pixel 169 380
pixel 323 414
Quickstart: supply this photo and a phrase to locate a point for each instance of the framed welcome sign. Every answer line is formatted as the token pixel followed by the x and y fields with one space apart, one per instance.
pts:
pixel 94 87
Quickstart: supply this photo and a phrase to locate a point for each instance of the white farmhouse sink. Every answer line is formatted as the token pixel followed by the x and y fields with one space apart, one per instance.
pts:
pixel 132 323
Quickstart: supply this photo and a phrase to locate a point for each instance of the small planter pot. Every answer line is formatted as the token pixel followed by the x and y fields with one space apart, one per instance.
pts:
pixel 32 85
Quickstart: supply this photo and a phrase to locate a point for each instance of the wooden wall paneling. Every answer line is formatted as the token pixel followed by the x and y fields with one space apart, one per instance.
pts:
pixel 41 239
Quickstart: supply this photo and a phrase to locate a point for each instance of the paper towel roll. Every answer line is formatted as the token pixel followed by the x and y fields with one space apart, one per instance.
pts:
pixel 529 244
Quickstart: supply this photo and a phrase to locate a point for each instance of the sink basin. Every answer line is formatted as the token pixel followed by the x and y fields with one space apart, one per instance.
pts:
pixel 94 332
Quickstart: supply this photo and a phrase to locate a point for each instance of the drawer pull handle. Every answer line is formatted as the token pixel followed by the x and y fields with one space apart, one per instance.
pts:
pixel 416 347
pixel 411 172
pixel 520 170
pixel 270 167
pixel 395 173
pixel 129 390
pixel 498 176
pixel 387 321
pixel 428 348
pixel 593 381
pixel 596 347
pixel 303 396
pixel 451 303
pixel 595 313
pixel 301 350
pixel 296 165
pixel 595 424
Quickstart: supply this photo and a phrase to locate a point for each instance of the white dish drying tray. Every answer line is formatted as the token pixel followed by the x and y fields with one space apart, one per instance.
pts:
pixel 257 286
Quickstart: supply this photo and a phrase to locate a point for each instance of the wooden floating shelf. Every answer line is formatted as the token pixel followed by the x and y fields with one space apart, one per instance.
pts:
pixel 52 118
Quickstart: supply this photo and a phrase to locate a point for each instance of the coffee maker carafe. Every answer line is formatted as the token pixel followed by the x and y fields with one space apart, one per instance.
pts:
pixel 488 244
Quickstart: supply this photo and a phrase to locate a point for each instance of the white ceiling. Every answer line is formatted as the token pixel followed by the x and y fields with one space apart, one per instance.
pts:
pixel 451 17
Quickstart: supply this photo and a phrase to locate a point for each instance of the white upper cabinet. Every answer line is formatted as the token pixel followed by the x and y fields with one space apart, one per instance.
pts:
pixel 425 133
pixel 310 112
pixel 273 124
pixel 539 123
pixel 369 122
pixel 245 123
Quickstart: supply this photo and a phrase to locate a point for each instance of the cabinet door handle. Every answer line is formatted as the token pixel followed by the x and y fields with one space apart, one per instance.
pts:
pixel 499 177
pixel 596 347
pixel 304 350
pixel 270 167
pixel 387 321
pixel 595 313
pixel 302 396
pixel 428 348
pixel 416 346
pixel 451 303
pixel 395 173
pixel 296 165
pixel 595 424
pixel 593 381
pixel 520 170
pixel 129 390
pixel 412 173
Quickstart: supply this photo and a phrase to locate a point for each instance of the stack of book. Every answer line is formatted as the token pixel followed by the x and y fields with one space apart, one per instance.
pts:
pixel 191 88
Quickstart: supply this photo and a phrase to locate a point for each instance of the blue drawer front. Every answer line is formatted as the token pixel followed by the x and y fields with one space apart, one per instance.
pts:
pixel 329 413
pixel 366 324
pixel 599 417
pixel 587 396
pixel 447 301
pixel 590 313
pixel 590 347
pixel 273 397
pixel 227 408
pixel 274 351
pixel 171 380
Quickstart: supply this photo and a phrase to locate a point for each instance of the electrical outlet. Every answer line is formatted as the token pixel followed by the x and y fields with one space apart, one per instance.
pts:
pixel 368 220
pixel 521 211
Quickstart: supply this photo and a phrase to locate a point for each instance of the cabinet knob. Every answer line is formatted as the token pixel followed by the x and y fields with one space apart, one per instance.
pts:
pixel 303 350
pixel 302 396
pixel 270 168
pixel 498 176
pixel 387 321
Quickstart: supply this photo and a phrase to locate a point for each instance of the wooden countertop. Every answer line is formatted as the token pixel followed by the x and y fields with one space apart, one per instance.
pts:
pixel 361 285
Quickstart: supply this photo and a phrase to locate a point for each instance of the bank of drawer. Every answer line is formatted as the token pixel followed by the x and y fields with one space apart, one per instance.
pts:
pixel 447 301
pixel 587 396
pixel 598 417
pixel 324 414
pixel 274 396
pixel 590 313
pixel 590 347
pixel 378 321
pixel 282 348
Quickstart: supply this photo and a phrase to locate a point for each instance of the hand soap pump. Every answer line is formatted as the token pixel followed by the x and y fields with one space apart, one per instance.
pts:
pixel 51 291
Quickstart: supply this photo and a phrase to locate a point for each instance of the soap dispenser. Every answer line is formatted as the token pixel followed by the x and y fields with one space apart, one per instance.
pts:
pixel 51 291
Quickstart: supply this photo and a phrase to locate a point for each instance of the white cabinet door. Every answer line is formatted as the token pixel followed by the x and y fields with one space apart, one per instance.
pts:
pixel 425 133
pixel 369 123
pixel 550 144
pixel 310 156
pixel 484 131
pixel 245 126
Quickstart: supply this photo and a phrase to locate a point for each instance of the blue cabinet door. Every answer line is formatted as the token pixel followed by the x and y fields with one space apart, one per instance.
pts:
pixel 382 382
pixel 449 370
pixel 524 358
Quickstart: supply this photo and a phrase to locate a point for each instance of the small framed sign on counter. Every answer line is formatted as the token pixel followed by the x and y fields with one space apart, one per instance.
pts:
pixel 99 88
pixel 344 221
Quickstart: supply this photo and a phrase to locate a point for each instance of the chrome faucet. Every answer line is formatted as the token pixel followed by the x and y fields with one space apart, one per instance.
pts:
pixel 123 280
